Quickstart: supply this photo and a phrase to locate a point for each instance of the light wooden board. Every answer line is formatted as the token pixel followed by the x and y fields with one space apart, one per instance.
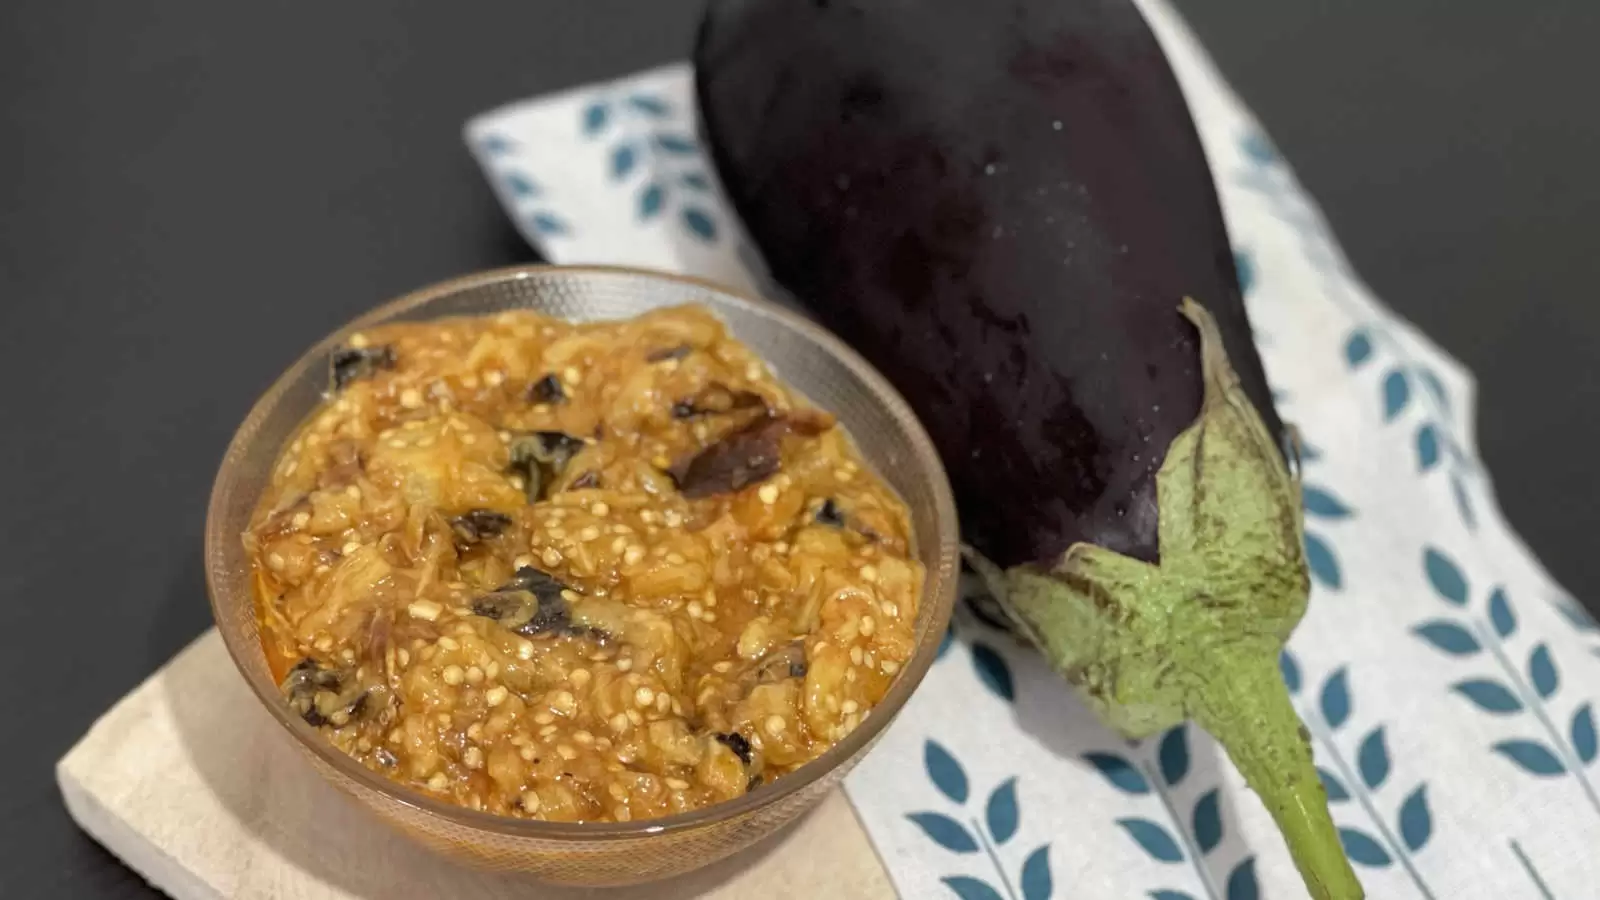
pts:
pixel 194 786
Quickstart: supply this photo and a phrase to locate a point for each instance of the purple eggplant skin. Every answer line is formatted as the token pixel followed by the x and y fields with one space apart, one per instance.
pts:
pixel 1001 204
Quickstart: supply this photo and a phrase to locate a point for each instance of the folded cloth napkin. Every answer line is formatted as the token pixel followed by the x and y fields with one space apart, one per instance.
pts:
pixel 1448 682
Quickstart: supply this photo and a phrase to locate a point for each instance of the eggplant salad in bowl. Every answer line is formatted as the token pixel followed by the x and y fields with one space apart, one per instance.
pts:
pixel 558 570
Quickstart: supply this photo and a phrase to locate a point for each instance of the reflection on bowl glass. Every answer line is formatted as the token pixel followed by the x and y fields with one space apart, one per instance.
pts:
pixel 454 622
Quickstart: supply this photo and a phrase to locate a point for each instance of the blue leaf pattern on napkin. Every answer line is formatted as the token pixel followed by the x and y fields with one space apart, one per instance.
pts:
pixel 1445 576
pixel 1427 447
pixel 1358 348
pixel 1258 147
pixel 993 671
pixel 1336 699
pixel 1542 672
pixel 1489 696
pixel 547 224
pixel 1246 270
pixel 521 185
pixel 1325 507
pixel 1174 755
pixel 1290 671
pixel 699 223
pixel 524 193
pixel 1332 784
pixel 1561 751
pixel 643 126
pixel 1373 759
pixel 1433 442
pixel 623 159
pixel 1532 757
pixel 1208 821
pixel 945 773
pixel 1363 850
pixel 945 831
pixel 1154 838
pixel 1324 565
pixel 1036 881
pixel 1449 637
pixel 650 200
pixel 1242 882
pixel 496 145
pixel 650 106
pixel 1002 817
pixel 1583 734
pixel 1321 503
pixel 1458 487
pixel 1416 822
pixel 1500 615
pixel 1430 380
pixel 1001 811
pixel 676 144
pixel 1396 394
pixel 971 888
pixel 595 117
pixel 1120 772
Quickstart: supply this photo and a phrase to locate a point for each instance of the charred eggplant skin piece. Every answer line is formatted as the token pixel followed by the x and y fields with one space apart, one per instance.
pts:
pixel 1001 205
pixel 348 364
pixel 477 525
pixel 321 695
pixel 547 390
pixel 737 743
pixel 532 602
pixel 540 457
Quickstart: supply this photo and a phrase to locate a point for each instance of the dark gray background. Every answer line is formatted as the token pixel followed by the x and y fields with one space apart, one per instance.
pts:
pixel 195 191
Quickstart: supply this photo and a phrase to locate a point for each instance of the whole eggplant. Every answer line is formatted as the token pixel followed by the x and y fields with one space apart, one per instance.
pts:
pixel 1006 207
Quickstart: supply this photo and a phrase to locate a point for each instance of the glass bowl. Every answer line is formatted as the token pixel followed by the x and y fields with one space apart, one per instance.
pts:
pixel 808 358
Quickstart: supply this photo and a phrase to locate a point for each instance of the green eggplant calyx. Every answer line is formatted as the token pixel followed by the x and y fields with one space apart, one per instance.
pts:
pixel 1197 635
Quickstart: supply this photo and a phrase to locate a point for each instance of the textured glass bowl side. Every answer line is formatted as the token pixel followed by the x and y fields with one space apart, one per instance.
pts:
pixel 806 357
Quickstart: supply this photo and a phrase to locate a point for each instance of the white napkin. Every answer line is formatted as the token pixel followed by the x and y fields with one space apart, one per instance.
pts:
pixel 1448 682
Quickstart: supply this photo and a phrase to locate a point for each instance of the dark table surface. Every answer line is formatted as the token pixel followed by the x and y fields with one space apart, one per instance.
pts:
pixel 195 191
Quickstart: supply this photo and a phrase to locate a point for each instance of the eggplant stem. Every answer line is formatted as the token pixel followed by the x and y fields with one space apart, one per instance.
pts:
pixel 1246 707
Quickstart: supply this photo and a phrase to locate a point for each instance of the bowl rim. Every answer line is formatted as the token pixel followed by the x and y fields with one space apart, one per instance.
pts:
pixel 941 592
